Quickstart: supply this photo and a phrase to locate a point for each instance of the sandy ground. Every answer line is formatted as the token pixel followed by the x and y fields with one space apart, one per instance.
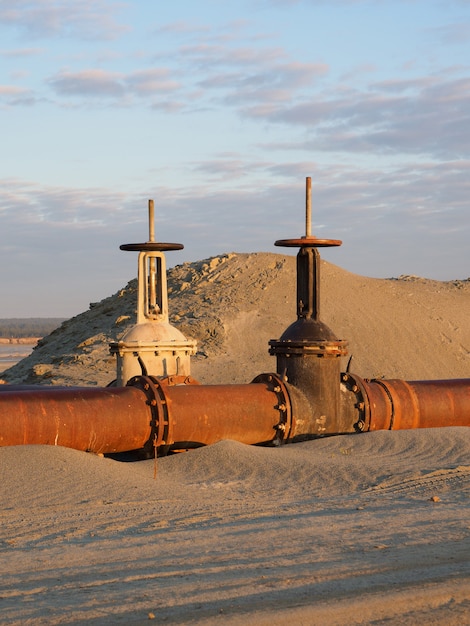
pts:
pixel 366 529
pixel 360 529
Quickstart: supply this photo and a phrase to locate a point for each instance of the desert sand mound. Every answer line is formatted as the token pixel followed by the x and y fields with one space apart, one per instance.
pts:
pixel 358 529
pixel 409 328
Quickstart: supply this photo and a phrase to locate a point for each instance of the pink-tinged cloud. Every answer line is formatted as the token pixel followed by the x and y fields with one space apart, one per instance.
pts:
pixel 13 90
pixel 229 167
pixel 430 116
pixel 297 74
pixel 21 52
pixel 273 83
pixel 182 28
pixel 168 106
pixel 156 80
pixel 84 19
pixel 98 83
pixel 206 56
pixel 453 33
pixel 94 83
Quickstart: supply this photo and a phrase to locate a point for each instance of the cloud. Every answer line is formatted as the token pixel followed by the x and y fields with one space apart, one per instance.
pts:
pixel 168 106
pixel 60 246
pixel 100 83
pixel 150 81
pixel 237 75
pixel 200 74
pixel 83 19
pixel 58 207
pixel 230 167
pixel 428 116
pixel 12 95
pixel 229 31
pixel 12 90
pixel 95 82
pixel 338 3
pixel 183 27
pixel 453 34
pixel 270 83
pixel 409 219
pixel 21 52
pixel 205 56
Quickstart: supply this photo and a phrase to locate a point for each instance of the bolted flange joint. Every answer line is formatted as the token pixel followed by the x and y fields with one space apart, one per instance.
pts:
pixel 275 383
pixel 352 385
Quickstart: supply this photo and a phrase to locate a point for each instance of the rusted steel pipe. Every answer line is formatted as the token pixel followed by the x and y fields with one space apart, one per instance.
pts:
pixel 149 412
pixel 398 404
pixel 418 404
pixel 191 415
pixel 206 414
pixel 100 420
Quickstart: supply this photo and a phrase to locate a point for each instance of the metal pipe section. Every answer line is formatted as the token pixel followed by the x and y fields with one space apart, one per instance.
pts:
pixel 189 415
pixel 419 404
pixel 398 404
pixel 152 412
pixel 251 414
pixel 100 420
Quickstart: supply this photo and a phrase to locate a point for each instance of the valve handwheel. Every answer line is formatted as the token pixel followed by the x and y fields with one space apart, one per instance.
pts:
pixel 308 241
pixel 151 245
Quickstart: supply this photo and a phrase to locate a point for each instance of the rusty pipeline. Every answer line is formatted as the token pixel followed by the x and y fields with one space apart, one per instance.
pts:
pixel 100 420
pixel 379 404
pixel 190 415
pixel 307 397
pixel 151 412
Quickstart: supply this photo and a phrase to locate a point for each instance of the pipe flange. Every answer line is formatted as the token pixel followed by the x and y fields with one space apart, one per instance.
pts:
pixel 275 384
pixel 384 386
pixel 156 399
pixel 354 385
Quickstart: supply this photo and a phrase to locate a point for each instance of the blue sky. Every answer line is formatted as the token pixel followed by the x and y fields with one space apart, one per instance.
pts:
pixel 218 111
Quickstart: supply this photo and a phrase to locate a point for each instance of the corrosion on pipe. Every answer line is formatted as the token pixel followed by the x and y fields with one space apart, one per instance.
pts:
pixel 147 413
pixel 419 404
pixel 100 420
pixel 398 404
pixel 154 412
pixel 206 414
pixel 192 415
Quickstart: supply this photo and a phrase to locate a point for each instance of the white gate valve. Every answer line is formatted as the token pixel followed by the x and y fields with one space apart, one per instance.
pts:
pixel 152 346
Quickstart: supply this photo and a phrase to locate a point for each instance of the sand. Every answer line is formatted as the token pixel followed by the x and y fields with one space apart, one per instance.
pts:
pixel 346 530
pixel 358 529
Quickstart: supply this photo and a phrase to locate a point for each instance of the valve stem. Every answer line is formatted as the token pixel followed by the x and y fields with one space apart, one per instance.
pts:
pixel 308 207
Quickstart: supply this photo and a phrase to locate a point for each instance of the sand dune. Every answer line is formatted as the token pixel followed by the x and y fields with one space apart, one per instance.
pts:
pixel 410 328
pixel 360 529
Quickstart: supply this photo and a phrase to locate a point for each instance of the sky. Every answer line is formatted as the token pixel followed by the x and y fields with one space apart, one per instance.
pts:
pixel 218 111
